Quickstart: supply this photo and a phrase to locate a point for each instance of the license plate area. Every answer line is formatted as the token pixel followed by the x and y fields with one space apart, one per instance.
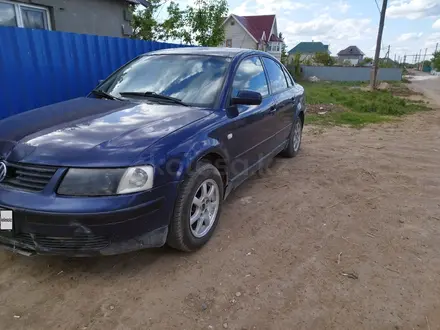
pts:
pixel 6 220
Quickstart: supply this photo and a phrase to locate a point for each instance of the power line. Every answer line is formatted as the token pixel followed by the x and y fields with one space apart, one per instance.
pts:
pixel 377 5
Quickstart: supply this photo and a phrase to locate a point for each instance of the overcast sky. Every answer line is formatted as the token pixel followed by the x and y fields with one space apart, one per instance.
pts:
pixel 411 25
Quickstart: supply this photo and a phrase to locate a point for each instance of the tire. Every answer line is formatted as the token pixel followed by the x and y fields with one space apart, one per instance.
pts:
pixel 183 235
pixel 293 147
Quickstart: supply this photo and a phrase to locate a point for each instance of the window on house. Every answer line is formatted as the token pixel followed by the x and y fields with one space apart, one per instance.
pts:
pixel 274 47
pixel 229 43
pixel 21 15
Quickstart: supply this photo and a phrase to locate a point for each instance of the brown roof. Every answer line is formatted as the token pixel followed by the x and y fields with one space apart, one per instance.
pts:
pixel 273 37
pixel 256 25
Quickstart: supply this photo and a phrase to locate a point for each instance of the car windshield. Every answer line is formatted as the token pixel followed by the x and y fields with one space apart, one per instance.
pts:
pixel 193 79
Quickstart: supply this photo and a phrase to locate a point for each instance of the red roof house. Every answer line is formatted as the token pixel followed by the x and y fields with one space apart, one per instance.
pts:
pixel 253 32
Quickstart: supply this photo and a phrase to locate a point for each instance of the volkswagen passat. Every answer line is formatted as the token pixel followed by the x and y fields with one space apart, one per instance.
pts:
pixel 149 156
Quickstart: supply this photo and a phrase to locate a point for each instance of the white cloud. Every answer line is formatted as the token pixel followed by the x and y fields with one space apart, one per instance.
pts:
pixel 436 24
pixel 432 40
pixel 343 6
pixel 413 9
pixel 267 7
pixel 410 36
pixel 339 33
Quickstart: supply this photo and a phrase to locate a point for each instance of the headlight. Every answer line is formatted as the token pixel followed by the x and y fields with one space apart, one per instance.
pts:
pixel 105 182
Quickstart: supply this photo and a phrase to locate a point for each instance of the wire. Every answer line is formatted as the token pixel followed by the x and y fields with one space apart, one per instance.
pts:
pixel 378 8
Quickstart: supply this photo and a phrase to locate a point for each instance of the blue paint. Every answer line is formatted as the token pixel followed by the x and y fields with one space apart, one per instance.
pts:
pixel 106 136
pixel 39 67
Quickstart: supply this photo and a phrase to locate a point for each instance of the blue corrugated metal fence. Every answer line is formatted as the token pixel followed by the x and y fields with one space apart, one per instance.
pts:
pixel 40 67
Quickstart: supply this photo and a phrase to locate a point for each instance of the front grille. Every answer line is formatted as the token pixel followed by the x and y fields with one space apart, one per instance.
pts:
pixel 28 177
pixel 77 243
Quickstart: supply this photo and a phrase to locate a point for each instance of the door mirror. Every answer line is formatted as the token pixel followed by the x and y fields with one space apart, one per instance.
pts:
pixel 245 97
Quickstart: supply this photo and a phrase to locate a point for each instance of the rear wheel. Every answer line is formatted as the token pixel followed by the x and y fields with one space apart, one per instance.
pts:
pixel 295 138
pixel 197 209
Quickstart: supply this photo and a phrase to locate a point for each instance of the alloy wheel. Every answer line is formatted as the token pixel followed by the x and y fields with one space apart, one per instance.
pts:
pixel 204 208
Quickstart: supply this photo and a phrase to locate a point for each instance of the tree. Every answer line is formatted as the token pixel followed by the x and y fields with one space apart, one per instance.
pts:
pixel 175 26
pixel 436 60
pixel 366 61
pixel 144 23
pixel 205 20
pixel 284 55
pixel 199 24
pixel 323 59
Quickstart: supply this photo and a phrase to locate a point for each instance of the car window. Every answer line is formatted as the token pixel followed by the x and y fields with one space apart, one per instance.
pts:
pixel 194 79
pixel 250 76
pixel 289 78
pixel 277 79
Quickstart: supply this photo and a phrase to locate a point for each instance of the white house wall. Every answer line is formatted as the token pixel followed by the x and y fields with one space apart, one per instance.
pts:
pixel 240 38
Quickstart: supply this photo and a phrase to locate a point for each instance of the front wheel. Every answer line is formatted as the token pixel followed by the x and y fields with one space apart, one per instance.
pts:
pixel 197 209
pixel 295 138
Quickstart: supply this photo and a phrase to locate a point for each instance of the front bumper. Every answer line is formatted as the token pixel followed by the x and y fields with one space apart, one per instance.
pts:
pixel 91 226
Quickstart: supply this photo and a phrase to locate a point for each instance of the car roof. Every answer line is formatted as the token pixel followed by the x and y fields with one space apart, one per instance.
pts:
pixel 209 51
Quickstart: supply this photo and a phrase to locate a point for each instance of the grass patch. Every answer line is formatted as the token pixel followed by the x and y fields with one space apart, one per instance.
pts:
pixel 354 119
pixel 363 107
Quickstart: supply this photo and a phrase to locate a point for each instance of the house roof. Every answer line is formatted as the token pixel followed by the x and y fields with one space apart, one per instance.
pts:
pixel 309 47
pixel 273 37
pixel 351 50
pixel 256 25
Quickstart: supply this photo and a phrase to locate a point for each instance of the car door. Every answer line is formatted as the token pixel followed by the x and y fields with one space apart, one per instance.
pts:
pixel 284 98
pixel 249 133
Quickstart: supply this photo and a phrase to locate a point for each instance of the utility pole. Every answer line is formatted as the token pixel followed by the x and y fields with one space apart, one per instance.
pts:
pixel 388 52
pixel 404 60
pixel 378 44
pixel 420 57
pixel 395 58
pixel 424 59
pixel 436 47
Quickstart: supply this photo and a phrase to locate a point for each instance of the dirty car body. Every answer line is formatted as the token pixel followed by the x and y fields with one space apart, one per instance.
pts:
pixel 100 175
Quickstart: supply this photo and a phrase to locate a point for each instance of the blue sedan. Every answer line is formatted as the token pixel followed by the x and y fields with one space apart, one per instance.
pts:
pixel 148 157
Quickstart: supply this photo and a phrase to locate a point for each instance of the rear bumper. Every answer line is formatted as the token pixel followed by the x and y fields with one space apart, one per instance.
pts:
pixel 91 226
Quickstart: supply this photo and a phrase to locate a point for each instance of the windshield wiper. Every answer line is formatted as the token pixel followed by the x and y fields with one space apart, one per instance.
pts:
pixel 105 95
pixel 155 95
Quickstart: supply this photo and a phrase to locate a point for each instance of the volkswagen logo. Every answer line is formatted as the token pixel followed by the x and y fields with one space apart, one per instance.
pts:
pixel 3 171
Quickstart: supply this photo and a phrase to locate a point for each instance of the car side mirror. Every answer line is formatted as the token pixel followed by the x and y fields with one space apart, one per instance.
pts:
pixel 245 97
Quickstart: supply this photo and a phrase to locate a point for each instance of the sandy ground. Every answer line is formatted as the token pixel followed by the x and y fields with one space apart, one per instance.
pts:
pixel 345 236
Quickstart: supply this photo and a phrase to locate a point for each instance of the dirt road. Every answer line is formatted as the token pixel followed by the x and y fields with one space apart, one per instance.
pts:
pixel 346 236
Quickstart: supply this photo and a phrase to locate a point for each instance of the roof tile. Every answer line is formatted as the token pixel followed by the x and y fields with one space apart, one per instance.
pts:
pixel 256 25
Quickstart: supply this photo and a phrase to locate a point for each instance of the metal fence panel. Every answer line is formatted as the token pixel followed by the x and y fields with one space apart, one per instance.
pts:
pixel 336 73
pixel 39 67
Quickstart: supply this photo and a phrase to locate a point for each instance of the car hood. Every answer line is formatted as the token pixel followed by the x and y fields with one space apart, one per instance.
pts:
pixel 90 132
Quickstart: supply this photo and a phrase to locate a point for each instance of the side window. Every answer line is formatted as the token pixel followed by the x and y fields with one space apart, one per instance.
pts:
pixel 250 76
pixel 277 79
pixel 289 78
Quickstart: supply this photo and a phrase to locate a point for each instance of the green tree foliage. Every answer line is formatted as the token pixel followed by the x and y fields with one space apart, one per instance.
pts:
pixel 366 61
pixel 205 19
pixel 199 24
pixel 436 60
pixel 144 21
pixel 284 55
pixel 323 59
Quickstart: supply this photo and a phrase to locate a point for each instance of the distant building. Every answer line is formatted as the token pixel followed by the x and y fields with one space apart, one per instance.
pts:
pixel 352 54
pixel 253 32
pixel 307 50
